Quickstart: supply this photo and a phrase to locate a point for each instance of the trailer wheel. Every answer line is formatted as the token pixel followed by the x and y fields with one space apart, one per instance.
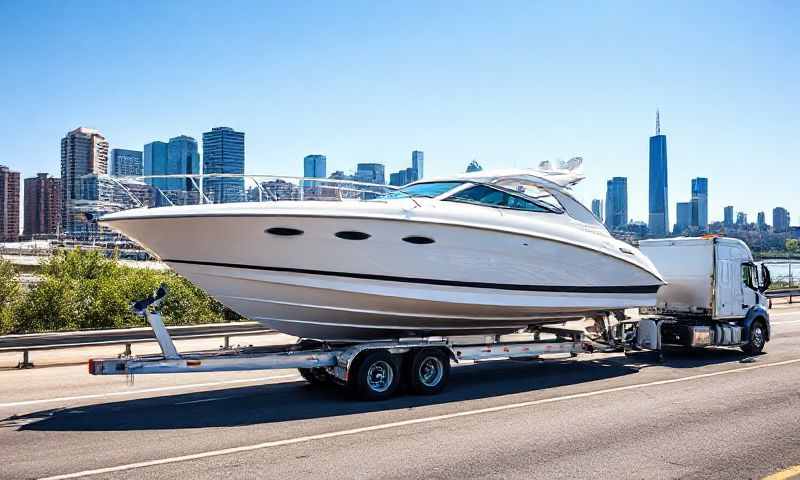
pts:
pixel 429 371
pixel 758 338
pixel 377 376
pixel 315 376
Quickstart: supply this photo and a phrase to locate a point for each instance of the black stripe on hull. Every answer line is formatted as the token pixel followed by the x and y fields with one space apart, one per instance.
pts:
pixel 637 289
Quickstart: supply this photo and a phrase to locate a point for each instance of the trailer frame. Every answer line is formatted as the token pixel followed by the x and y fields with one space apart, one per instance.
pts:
pixel 343 363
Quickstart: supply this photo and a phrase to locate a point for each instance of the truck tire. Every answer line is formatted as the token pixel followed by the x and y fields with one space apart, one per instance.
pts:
pixel 757 340
pixel 429 371
pixel 315 376
pixel 377 376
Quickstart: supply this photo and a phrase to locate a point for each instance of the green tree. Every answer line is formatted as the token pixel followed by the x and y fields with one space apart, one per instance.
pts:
pixel 792 245
pixel 10 292
pixel 85 290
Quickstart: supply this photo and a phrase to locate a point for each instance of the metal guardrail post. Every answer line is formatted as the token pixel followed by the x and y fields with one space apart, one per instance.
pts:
pixel 26 360
pixel 227 344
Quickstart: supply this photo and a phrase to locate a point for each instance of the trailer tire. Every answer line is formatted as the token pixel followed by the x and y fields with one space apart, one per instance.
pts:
pixel 757 340
pixel 315 376
pixel 377 376
pixel 429 371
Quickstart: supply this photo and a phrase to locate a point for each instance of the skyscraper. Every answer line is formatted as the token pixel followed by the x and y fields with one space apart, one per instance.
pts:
pixel 314 166
pixel 597 208
pixel 371 173
pixel 9 205
pixel 178 157
pixel 155 163
pixel 83 151
pixel 741 219
pixel 617 203
pixel 700 203
pixel 42 210
pixel 126 163
pixel 683 216
pixel 728 216
pixel 474 166
pixel 418 162
pixel 658 211
pixel 223 152
pixel 182 158
pixel 397 179
pixel 762 221
pixel 780 220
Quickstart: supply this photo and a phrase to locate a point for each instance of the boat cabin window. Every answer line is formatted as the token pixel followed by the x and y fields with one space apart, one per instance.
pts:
pixel 541 195
pixel 492 197
pixel 429 190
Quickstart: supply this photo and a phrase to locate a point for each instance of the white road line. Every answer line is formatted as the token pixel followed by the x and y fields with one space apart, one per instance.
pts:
pixel 146 390
pixel 784 322
pixel 386 426
pixel 784 314
pixel 203 400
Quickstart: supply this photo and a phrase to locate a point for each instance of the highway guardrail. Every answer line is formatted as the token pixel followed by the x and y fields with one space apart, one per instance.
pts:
pixel 59 340
pixel 782 293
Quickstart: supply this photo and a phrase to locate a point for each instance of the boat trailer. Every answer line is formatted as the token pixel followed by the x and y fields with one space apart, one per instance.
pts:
pixel 373 369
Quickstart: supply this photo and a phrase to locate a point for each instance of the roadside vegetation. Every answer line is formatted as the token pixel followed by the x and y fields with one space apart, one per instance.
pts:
pixel 81 290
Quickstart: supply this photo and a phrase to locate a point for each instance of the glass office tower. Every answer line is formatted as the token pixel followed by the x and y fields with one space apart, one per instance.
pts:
pixel 617 203
pixel 700 203
pixel 658 199
pixel 223 152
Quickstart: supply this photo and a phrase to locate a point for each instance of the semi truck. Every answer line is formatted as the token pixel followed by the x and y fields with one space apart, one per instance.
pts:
pixel 714 297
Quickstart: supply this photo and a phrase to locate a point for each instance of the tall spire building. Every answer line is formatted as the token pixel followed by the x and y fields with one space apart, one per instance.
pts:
pixel 658 211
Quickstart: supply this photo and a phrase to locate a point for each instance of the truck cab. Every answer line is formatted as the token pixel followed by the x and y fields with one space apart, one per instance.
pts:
pixel 738 286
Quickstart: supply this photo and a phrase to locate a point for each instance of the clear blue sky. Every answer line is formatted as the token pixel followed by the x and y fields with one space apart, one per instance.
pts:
pixel 508 83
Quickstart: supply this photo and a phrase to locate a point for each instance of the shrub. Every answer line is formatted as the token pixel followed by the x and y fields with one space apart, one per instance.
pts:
pixel 10 292
pixel 85 290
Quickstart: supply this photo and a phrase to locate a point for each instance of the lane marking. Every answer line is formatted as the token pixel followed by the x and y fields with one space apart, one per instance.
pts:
pixel 403 423
pixel 783 314
pixel 785 322
pixel 146 390
pixel 784 474
pixel 204 400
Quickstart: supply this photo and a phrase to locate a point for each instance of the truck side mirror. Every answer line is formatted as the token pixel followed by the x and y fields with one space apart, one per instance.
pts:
pixel 766 280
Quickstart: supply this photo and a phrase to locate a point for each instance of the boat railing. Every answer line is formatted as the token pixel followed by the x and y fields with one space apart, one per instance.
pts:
pixel 190 189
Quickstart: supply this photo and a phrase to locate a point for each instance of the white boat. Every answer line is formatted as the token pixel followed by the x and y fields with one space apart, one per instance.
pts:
pixel 481 252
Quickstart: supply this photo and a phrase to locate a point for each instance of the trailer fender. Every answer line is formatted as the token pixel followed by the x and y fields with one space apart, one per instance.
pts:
pixel 756 312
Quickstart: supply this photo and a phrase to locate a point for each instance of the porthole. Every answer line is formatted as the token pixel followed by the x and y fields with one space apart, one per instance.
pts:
pixel 284 231
pixel 352 235
pixel 418 240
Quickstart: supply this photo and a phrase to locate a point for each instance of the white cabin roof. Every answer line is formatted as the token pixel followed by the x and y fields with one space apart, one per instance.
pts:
pixel 526 176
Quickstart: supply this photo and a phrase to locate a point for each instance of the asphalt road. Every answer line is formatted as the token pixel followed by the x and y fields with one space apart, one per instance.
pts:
pixel 701 414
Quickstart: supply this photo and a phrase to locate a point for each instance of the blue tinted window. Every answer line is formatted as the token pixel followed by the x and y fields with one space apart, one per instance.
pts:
pixel 483 195
pixel 431 190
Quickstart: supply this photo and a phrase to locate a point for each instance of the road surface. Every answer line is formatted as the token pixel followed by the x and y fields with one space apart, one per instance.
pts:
pixel 701 414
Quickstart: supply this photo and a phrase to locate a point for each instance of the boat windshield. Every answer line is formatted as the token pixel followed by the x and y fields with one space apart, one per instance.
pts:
pixel 429 190
pixel 492 197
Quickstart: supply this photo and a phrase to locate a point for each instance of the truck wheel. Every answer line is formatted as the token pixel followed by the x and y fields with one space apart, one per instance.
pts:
pixel 758 338
pixel 315 376
pixel 429 371
pixel 377 376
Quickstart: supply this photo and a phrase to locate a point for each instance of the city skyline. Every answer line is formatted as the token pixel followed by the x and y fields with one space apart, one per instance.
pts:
pixel 513 92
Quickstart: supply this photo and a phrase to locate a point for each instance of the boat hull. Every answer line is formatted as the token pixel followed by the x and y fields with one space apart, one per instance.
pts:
pixel 311 306
pixel 470 279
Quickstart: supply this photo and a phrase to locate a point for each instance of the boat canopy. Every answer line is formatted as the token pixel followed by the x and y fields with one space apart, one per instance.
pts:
pixel 565 176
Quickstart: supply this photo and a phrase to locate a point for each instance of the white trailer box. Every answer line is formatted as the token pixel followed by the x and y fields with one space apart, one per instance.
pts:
pixel 704 275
